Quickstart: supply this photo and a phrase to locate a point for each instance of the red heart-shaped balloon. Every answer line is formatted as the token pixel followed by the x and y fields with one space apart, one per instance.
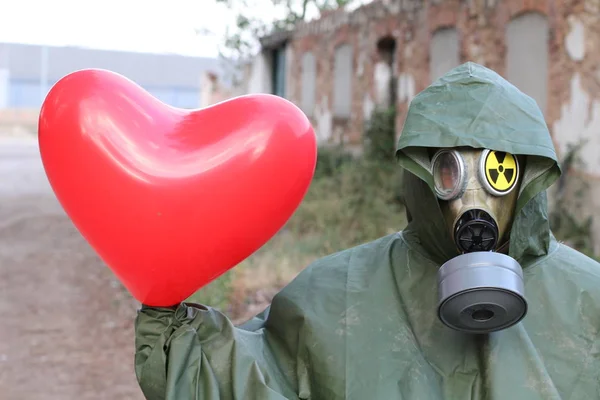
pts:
pixel 171 199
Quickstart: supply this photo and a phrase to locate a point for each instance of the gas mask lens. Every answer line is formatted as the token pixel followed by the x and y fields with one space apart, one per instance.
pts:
pixel 449 175
pixel 498 172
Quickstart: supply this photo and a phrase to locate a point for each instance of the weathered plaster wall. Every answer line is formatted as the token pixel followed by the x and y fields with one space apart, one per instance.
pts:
pixel 382 75
pixel 445 52
pixel 260 75
pixel 576 109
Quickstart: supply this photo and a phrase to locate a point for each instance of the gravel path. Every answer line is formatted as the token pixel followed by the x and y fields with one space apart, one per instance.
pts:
pixel 67 324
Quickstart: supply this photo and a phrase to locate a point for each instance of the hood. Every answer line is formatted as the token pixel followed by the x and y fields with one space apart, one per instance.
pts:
pixel 473 106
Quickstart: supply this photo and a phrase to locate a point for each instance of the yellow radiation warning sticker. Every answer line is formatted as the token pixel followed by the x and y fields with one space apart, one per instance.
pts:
pixel 501 170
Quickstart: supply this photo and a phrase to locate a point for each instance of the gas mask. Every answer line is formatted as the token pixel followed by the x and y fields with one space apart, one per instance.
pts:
pixel 481 290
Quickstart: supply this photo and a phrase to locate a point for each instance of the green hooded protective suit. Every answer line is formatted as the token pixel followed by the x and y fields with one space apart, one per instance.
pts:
pixel 362 324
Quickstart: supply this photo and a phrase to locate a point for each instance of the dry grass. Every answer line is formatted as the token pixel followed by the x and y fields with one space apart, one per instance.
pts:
pixel 248 288
pixel 258 279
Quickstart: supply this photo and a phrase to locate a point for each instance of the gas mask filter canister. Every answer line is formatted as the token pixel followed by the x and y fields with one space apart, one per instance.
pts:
pixel 481 290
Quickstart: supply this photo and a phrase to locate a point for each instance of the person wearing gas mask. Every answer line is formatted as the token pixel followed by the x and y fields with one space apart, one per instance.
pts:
pixel 474 299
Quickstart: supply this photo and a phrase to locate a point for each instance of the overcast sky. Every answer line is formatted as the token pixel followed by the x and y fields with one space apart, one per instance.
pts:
pixel 137 25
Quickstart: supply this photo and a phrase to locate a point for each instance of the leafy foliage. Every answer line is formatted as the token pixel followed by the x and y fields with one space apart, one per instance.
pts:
pixel 241 41
pixel 380 135
pixel 567 214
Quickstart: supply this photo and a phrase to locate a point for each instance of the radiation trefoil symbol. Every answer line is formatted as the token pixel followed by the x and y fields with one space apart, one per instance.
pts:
pixel 501 171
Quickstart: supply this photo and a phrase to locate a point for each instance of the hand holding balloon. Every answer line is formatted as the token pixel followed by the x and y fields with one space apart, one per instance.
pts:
pixel 171 199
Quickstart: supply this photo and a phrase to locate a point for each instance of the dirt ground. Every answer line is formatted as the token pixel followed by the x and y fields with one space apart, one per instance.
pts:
pixel 66 329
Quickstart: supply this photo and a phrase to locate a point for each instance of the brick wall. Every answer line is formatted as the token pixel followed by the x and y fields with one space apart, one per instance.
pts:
pixel 481 27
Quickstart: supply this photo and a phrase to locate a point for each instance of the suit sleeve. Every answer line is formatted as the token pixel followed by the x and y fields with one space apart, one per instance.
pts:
pixel 195 352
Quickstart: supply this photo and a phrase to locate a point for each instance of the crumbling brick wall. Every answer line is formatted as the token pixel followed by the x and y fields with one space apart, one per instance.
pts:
pixel 481 26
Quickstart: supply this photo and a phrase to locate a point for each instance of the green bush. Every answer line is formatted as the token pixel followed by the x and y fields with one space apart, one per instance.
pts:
pixel 356 204
pixel 380 136
pixel 567 217
pixel 330 160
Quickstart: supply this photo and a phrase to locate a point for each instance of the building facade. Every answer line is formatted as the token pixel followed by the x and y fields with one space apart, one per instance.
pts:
pixel 342 66
pixel 27 72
